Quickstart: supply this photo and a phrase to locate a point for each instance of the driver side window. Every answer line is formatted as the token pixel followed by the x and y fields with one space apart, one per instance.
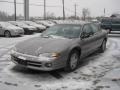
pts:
pixel 87 31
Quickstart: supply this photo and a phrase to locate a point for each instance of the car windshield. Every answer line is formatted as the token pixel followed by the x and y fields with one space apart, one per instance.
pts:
pixel 66 31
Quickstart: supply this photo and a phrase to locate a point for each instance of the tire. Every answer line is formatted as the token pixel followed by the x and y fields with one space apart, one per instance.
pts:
pixel 103 46
pixel 7 34
pixel 108 30
pixel 73 61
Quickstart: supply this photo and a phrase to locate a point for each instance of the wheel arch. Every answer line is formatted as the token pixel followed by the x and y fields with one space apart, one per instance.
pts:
pixel 7 31
pixel 76 48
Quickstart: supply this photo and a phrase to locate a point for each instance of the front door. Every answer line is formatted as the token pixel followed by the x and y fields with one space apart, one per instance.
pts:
pixel 87 37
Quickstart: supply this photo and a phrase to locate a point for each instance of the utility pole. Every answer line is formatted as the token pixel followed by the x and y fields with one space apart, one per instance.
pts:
pixel 15 9
pixel 63 10
pixel 44 9
pixel 26 9
pixel 104 12
pixel 75 11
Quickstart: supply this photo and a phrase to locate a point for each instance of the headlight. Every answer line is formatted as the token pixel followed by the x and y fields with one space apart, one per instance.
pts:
pixel 13 50
pixel 49 55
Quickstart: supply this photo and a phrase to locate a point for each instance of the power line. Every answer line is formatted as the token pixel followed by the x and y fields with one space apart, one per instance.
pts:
pixel 33 4
pixel 11 2
pixel 45 7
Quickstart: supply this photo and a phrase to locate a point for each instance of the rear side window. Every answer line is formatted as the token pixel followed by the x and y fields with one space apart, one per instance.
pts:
pixel 106 21
pixel 95 28
pixel 116 21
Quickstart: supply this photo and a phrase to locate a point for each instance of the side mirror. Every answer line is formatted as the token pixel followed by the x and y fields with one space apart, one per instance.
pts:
pixel 85 35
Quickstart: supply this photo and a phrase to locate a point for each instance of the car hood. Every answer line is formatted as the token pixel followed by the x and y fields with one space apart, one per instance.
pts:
pixel 38 45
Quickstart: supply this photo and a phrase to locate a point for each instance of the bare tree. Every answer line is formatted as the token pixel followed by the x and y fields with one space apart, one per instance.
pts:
pixel 50 15
pixel 85 13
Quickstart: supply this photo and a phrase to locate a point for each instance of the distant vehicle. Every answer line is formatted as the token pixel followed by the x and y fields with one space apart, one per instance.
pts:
pixel 95 21
pixel 60 46
pixel 51 22
pixel 115 15
pixel 27 28
pixel 46 23
pixel 39 27
pixel 9 30
pixel 111 24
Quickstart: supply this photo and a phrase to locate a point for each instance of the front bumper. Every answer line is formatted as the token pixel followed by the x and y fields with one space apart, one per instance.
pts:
pixel 29 30
pixel 33 62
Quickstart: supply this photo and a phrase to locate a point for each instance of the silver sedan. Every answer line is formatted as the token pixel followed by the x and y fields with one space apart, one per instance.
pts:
pixel 61 46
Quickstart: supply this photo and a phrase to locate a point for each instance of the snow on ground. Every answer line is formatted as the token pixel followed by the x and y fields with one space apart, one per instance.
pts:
pixel 99 71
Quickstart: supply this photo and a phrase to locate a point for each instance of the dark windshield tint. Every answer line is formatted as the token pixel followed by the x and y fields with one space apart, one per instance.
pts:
pixel 67 31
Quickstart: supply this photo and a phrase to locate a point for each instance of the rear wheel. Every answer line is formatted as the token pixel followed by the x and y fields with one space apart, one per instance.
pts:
pixel 109 31
pixel 103 46
pixel 72 62
pixel 7 34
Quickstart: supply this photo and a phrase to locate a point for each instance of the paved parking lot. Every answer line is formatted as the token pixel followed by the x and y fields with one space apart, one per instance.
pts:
pixel 99 71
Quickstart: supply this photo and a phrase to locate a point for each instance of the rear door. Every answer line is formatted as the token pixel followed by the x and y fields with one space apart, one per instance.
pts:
pixel 98 35
pixel 87 40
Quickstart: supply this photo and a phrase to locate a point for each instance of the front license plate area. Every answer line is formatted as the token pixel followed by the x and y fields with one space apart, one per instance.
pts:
pixel 22 60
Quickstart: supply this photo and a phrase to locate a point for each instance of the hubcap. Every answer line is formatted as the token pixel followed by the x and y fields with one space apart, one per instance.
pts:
pixel 104 45
pixel 73 61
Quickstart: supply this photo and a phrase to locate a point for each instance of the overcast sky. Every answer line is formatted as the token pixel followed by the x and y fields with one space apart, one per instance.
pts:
pixel 96 7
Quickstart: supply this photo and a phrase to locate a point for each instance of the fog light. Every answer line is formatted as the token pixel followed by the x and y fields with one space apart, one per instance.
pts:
pixel 48 64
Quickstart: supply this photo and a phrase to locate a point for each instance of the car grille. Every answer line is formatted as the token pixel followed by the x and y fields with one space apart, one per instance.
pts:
pixel 27 62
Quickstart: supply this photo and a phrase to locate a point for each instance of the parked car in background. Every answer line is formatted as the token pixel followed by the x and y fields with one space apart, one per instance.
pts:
pixel 9 30
pixel 51 22
pixel 45 23
pixel 60 46
pixel 111 24
pixel 95 21
pixel 27 29
pixel 39 27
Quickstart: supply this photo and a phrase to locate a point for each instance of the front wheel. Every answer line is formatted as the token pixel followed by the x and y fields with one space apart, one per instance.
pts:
pixel 7 34
pixel 72 62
